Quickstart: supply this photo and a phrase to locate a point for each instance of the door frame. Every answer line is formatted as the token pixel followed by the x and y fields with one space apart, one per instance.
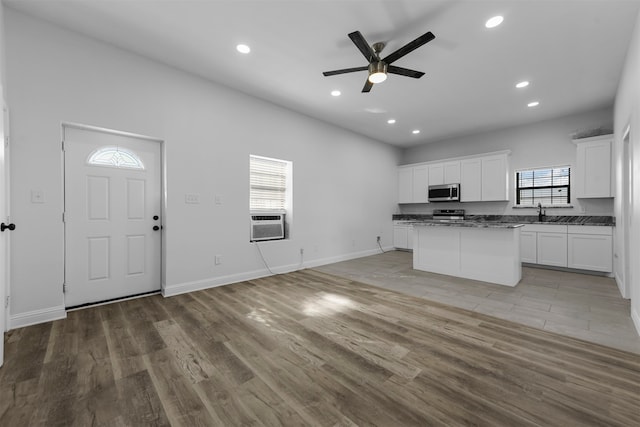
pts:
pixel 626 205
pixel 163 191
pixel 5 291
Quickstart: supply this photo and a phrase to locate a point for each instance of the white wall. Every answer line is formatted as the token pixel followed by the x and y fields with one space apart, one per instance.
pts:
pixel 344 184
pixel 627 113
pixel 546 143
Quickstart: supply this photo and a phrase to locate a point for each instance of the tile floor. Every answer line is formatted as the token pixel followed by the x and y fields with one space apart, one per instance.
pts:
pixel 582 306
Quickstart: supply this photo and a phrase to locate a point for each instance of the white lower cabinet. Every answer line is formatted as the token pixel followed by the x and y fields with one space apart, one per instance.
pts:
pixel 528 247
pixel 552 249
pixel 591 248
pixel 575 246
pixel 403 236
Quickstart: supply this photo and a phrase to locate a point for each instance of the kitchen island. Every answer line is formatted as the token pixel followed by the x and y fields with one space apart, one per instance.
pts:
pixel 485 251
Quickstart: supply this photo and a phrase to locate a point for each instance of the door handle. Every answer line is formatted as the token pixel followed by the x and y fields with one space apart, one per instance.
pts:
pixel 4 226
pixel 156 228
pixel 156 217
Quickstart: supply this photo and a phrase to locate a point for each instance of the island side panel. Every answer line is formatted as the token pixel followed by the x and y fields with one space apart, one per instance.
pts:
pixel 437 249
pixel 486 254
pixel 491 255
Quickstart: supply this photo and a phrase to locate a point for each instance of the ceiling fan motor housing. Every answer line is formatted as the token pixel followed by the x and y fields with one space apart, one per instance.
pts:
pixel 377 67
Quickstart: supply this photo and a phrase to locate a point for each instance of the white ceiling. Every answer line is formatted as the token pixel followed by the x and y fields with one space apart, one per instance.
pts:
pixel 572 51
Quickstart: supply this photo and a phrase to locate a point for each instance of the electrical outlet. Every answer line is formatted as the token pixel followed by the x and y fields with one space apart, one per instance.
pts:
pixel 301 251
pixel 218 259
pixel 378 239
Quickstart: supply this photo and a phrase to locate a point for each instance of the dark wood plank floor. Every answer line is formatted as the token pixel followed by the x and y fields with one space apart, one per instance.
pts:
pixel 307 348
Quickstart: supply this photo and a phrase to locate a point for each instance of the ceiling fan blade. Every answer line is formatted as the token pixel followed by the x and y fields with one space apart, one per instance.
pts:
pixel 362 45
pixel 367 86
pixel 344 70
pixel 409 47
pixel 404 71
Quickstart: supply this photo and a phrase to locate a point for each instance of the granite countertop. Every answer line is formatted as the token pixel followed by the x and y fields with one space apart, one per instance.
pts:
pixel 517 219
pixel 466 223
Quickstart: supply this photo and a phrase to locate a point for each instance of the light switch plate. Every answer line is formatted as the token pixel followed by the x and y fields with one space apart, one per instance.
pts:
pixel 192 198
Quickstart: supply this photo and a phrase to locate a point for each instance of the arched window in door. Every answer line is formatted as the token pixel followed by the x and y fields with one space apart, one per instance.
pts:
pixel 115 157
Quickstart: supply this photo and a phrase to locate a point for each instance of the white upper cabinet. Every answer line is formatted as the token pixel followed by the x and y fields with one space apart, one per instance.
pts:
pixel 444 173
pixel 405 185
pixel 420 184
pixel 494 178
pixel 592 177
pixel 471 180
pixel 481 178
pixel 451 172
pixel 436 174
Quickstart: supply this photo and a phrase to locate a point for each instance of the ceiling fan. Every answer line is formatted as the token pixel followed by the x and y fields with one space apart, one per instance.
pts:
pixel 378 68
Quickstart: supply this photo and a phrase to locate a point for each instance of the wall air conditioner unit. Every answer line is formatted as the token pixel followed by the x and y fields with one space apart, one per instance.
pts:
pixel 267 226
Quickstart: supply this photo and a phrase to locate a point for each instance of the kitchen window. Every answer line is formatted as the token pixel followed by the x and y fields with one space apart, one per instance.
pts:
pixel 270 184
pixel 547 186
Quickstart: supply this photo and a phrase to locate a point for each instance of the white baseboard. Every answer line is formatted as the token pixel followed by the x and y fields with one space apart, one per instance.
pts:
pixel 635 316
pixel 620 284
pixel 37 316
pixel 213 282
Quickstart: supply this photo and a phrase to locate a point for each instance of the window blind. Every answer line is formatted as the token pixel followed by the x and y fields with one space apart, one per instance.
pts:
pixel 548 186
pixel 268 183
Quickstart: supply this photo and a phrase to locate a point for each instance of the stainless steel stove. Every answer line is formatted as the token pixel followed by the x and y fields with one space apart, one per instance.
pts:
pixel 446 215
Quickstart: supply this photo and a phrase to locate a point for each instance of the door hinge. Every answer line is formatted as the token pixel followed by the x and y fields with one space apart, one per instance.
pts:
pixel 6 302
pixel 63 145
pixel 64 288
pixel 6 140
pixel 63 218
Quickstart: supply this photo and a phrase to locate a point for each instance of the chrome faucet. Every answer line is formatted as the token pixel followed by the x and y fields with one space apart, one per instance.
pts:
pixel 541 213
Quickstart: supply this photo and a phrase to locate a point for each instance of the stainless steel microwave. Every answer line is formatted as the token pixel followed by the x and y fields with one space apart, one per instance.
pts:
pixel 444 193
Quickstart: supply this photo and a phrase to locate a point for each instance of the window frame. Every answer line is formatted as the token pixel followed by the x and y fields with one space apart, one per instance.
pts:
pixel 518 189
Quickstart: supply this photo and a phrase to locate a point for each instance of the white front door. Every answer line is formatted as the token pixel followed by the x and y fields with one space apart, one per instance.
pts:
pixel 4 218
pixel 113 218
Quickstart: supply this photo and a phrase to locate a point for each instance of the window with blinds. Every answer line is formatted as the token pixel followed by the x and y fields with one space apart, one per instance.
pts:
pixel 547 186
pixel 268 180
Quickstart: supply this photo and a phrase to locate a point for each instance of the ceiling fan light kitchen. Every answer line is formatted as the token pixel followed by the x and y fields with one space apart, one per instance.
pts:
pixel 377 72
pixel 522 84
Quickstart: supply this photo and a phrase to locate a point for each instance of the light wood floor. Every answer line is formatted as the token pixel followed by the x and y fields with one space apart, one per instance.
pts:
pixel 307 348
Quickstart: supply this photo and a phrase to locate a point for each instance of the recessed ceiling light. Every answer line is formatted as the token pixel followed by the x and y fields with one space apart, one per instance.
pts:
pixel 243 48
pixel 391 121
pixel 415 131
pixel 336 93
pixel 533 104
pixel 494 22
pixel 522 84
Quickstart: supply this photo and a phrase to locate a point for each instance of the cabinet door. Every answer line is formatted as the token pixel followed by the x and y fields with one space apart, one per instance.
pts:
pixel 436 174
pixel 593 174
pixel 420 184
pixel 590 252
pixel 400 237
pixel 471 180
pixel 552 249
pixel 405 185
pixel 494 178
pixel 528 247
pixel 452 172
